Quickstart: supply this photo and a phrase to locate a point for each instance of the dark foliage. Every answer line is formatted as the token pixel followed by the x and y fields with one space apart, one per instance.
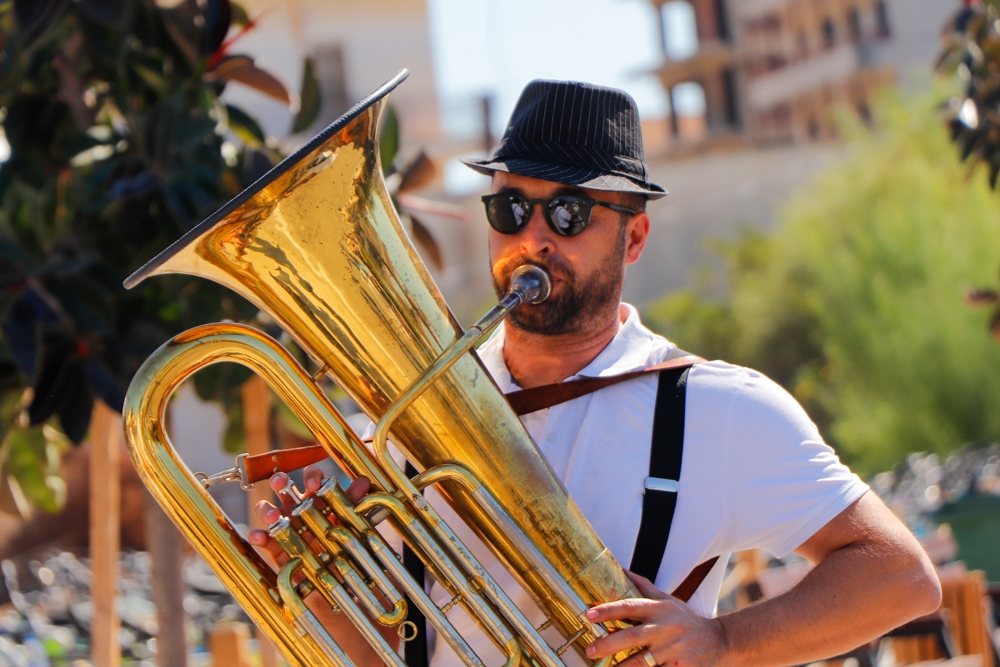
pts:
pixel 972 53
pixel 116 129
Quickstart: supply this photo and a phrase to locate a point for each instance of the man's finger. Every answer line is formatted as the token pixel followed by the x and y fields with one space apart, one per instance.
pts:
pixel 267 512
pixel 632 609
pixel 358 489
pixel 260 538
pixel 646 587
pixel 312 479
pixel 636 636
pixel 279 481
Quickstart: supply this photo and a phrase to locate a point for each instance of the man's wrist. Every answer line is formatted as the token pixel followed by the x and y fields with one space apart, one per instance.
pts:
pixel 729 653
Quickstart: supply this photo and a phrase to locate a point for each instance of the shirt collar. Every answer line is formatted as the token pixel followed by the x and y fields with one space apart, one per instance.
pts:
pixel 630 350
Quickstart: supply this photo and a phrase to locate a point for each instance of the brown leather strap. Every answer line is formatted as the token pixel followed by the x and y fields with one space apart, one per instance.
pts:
pixel 262 466
pixel 525 401
pixel 693 580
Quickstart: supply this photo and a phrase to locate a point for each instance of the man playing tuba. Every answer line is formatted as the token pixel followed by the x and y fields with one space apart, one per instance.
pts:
pixel 671 470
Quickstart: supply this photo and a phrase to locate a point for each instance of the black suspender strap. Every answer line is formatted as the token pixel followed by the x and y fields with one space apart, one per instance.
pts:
pixel 660 497
pixel 416 650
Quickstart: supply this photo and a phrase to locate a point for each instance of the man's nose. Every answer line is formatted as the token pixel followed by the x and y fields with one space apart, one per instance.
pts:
pixel 537 237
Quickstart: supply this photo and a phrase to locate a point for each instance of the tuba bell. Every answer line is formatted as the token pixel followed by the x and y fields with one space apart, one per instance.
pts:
pixel 317 245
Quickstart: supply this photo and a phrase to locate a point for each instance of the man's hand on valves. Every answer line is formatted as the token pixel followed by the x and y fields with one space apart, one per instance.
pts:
pixel 667 630
pixel 312 479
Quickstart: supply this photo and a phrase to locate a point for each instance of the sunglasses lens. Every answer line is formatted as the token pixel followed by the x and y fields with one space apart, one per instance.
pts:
pixel 569 215
pixel 508 213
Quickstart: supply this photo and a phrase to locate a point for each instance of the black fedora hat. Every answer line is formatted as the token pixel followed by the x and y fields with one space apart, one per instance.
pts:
pixel 574 133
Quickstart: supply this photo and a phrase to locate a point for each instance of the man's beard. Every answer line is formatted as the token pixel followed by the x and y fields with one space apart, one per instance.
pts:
pixel 581 303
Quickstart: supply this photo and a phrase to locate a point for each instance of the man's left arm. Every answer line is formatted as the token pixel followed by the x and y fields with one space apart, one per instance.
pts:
pixel 871 576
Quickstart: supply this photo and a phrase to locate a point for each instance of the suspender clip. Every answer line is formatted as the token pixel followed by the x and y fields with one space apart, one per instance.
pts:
pixel 660 484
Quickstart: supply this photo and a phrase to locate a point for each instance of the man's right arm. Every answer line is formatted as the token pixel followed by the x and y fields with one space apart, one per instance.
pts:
pixel 871 575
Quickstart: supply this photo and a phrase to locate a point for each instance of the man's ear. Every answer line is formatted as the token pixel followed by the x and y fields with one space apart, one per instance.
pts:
pixel 636 233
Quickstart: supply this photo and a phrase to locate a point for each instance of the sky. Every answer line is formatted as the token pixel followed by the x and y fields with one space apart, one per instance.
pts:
pixel 495 47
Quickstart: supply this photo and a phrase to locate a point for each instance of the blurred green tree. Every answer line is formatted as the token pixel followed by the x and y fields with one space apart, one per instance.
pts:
pixel 119 143
pixel 854 303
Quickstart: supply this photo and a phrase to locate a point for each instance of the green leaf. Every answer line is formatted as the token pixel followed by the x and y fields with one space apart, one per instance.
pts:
pixel 160 84
pixel 245 127
pixel 310 100
pixel 159 125
pixel 216 382
pixel 191 198
pixel 191 130
pixel 10 406
pixel 90 306
pixel 388 141
pixel 239 14
pixel 181 40
pixel 234 440
pixel 30 462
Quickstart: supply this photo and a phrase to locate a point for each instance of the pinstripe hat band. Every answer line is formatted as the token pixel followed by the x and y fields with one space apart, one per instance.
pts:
pixel 574 133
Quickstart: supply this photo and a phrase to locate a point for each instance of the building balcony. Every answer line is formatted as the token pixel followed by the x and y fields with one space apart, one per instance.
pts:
pixel 710 58
pixel 751 9
pixel 768 90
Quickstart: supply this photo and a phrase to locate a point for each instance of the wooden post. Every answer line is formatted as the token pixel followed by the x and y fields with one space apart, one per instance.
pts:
pixel 105 530
pixel 165 545
pixel 257 425
pixel 964 595
pixel 228 645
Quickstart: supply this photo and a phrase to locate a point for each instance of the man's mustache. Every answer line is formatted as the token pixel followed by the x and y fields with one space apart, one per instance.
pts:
pixel 556 266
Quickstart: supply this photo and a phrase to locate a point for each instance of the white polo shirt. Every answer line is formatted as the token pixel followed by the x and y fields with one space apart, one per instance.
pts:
pixel 755 471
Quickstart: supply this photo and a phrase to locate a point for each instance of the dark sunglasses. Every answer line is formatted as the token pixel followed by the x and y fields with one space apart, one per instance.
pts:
pixel 567 215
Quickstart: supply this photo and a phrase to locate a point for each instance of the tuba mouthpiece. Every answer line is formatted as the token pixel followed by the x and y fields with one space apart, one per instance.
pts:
pixel 531 283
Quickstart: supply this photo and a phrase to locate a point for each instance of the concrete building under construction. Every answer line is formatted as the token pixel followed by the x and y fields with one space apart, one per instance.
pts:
pixel 772 70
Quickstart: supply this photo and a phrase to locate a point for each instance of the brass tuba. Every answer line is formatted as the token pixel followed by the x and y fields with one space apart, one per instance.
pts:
pixel 317 245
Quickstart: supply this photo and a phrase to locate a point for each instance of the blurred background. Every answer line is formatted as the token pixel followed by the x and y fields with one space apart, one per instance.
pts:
pixel 832 221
